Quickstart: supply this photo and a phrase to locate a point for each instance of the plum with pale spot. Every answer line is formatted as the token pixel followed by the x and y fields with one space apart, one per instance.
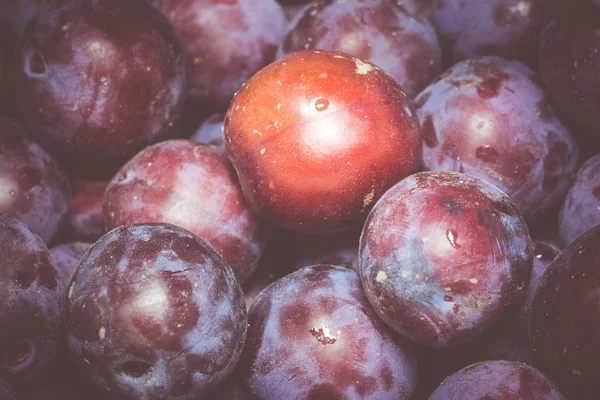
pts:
pixel 443 256
pixel 154 312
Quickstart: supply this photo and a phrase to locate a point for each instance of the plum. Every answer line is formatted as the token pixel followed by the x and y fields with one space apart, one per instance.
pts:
pixel 86 220
pixel 569 64
pixel 65 258
pixel 565 321
pixel 497 380
pixel 443 255
pixel 317 137
pixel 581 208
pixel 211 131
pixel 32 298
pixel 487 116
pixel 194 186
pixel 313 335
pixel 508 28
pixel 95 81
pixel 153 312
pixel 226 42
pixel 382 32
pixel 33 187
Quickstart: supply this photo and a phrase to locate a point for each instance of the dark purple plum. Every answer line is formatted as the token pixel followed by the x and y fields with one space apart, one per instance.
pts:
pixel 192 185
pixel 86 220
pixel 95 81
pixel 581 209
pixel 497 380
pixel 569 64
pixel 508 28
pixel 153 312
pixel 33 187
pixel 211 131
pixel 313 335
pixel 226 41
pixel 443 255
pixel 65 258
pixel 381 32
pixel 488 117
pixel 32 298
pixel 565 323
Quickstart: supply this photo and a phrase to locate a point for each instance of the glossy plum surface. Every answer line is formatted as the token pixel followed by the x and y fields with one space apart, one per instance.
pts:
pixel 497 380
pixel 568 350
pixel 581 208
pixel 317 137
pixel 33 187
pixel 488 117
pixel 153 312
pixel 313 335
pixel 211 131
pixel 226 42
pixel 65 258
pixel 32 298
pixel 508 28
pixel 96 81
pixel 382 32
pixel 569 64
pixel 443 255
pixel 86 220
pixel 194 186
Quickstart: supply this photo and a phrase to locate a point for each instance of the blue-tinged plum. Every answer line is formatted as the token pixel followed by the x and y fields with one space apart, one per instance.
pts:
pixel 32 298
pixel 153 312
pixel 33 187
pixel 313 335
pixel 443 256
pixel 382 32
pixel 317 137
pixel 95 81
pixel 581 209
pixel 192 185
pixel 565 320
pixel 497 380
pixel 488 117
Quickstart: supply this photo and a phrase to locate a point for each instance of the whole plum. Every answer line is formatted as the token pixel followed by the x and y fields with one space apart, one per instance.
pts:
pixel 313 335
pixel 226 42
pixel 488 117
pixel 382 32
pixel 497 380
pixel 194 186
pixel 153 312
pixel 317 137
pixel 33 187
pixel 32 299
pixel 565 322
pixel 443 256
pixel 95 81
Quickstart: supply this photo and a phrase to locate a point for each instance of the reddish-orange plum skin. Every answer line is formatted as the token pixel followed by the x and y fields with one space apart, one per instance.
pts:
pixel 317 137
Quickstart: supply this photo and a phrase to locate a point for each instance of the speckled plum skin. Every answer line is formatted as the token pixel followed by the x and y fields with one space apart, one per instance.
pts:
pixel 508 28
pixel 497 380
pixel 86 220
pixel 488 117
pixel 96 81
pixel 565 323
pixel 313 335
pixel 226 42
pixel 317 137
pixel 442 256
pixel 581 209
pixel 33 187
pixel 65 258
pixel 382 32
pixel 32 298
pixel 153 312
pixel 569 64
pixel 194 186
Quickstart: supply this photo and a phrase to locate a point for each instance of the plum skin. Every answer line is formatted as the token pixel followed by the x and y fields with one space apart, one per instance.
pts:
pixel 443 255
pixel 154 312
pixel 306 327
pixel 317 137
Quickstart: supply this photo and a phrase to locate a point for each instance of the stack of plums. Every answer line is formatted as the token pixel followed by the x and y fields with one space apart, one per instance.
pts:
pixel 281 200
